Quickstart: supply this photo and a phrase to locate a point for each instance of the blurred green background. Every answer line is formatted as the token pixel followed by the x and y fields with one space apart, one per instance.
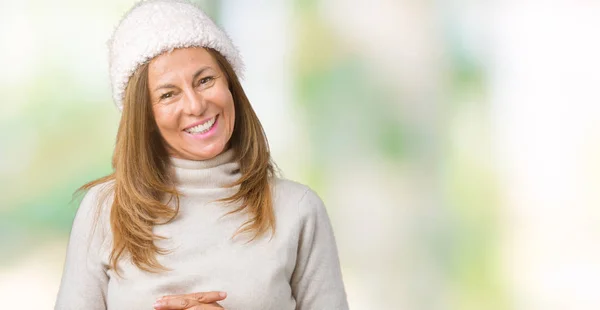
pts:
pixel 455 143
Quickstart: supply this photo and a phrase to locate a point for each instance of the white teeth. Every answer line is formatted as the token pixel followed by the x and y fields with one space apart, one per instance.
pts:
pixel 202 128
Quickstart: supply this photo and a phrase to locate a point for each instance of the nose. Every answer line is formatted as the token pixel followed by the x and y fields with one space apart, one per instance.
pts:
pixel 194 103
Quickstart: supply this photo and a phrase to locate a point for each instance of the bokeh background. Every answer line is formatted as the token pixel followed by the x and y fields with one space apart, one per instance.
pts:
pixel 456 143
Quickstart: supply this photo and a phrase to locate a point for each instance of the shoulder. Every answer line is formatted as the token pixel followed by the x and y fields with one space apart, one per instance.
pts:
pixel 288 188
pixel 95 204
pixel 305 198
pixel 97 196
pixel 91 227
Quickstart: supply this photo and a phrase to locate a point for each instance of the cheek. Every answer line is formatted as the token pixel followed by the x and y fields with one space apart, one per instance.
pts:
pixel 224 100
pixel 229 110
pixel 164 119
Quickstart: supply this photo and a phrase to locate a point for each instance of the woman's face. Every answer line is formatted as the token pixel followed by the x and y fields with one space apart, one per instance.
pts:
pixel 191 103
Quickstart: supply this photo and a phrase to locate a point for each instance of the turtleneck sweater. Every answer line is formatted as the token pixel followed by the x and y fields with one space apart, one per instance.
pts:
pixel 297 267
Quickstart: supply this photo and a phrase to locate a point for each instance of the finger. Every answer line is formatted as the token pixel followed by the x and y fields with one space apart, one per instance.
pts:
pixel 209 297
pixel 213 306
pixel 175 303
pixel 203 297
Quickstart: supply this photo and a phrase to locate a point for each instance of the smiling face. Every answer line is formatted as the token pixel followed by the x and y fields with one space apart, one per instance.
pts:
pixel 191 103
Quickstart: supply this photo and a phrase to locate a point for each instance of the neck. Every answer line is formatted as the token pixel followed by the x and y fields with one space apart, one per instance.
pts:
pixel 217 172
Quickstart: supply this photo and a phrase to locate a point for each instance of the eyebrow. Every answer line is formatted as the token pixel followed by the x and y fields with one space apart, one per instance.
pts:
pixel 198 73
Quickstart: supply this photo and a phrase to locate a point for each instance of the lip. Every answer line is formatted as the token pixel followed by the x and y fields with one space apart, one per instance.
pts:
pixel 199 122
pixel 206 135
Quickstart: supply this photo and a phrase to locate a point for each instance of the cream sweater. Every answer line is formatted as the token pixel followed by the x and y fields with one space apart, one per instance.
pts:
pixel 298 268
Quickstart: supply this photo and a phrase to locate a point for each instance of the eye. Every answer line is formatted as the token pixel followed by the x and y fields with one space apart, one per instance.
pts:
pixel 206 80
pixel 166 95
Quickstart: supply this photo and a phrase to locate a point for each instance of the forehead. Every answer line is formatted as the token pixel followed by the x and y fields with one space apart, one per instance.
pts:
pixel 181 59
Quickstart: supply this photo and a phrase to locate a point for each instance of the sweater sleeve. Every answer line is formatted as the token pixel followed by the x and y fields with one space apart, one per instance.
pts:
pixel 317 278
pixel 84 280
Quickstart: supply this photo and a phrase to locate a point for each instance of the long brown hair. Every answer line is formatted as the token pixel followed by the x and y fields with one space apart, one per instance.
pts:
pixel 140 180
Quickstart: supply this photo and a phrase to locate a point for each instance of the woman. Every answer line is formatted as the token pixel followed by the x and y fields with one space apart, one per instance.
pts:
pixel 193 216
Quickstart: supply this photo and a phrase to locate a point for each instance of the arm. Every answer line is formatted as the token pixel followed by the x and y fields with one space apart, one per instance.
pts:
pixel 317 278
pixel 84 280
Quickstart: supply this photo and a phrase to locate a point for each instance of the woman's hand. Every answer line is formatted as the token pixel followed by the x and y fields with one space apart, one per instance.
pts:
pixel 195 301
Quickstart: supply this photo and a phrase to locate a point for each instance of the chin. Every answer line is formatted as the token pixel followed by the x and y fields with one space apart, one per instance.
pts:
pixel 207 154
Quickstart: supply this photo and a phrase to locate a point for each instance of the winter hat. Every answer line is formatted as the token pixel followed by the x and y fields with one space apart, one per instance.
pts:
pixel 152 27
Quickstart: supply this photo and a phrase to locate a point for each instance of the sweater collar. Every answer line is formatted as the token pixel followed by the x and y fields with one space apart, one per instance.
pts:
pixel 216 172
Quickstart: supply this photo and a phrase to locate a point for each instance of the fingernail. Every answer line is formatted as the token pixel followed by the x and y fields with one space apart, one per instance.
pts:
pixel 157 304
pixel 223 294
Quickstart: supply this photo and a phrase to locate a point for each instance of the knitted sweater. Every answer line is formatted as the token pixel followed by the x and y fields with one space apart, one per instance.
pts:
pixel 296 268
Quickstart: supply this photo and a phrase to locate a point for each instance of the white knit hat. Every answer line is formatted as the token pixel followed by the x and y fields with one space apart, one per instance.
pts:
pixel 152 27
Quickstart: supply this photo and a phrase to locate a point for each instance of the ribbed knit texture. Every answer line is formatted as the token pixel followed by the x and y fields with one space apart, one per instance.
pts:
pixel 298 268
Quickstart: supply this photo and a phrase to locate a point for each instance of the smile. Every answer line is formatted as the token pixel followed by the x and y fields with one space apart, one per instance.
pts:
pixel 202 128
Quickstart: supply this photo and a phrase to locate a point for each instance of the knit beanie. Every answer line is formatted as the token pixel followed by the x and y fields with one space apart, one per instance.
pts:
pixel 153 27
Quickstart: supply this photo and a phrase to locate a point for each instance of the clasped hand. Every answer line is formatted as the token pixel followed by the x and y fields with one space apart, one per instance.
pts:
pixel 195 301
